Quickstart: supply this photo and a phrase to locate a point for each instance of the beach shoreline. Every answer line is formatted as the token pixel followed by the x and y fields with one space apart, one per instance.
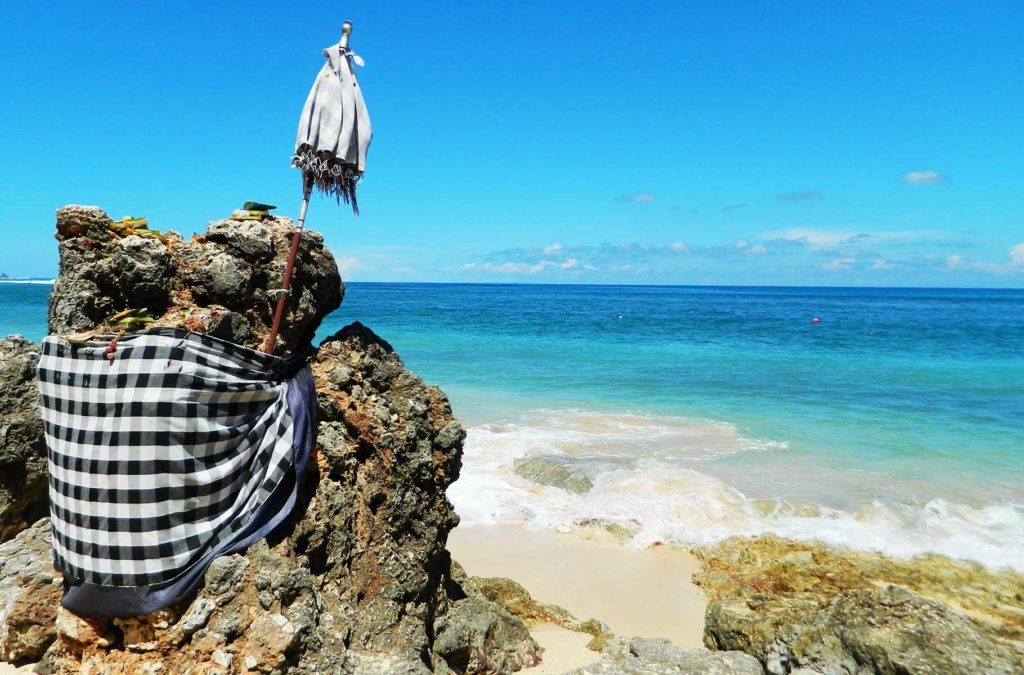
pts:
pixel 704 596
pixel 644 593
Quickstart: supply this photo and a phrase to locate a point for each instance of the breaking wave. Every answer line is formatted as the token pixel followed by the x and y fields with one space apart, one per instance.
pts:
pixel 653 476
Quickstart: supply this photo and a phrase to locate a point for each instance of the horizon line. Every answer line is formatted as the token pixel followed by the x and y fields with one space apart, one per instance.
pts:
pixel 51 280
pixel 670 285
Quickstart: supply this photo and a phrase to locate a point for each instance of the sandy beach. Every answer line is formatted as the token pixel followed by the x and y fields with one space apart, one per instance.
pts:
pixel 644 593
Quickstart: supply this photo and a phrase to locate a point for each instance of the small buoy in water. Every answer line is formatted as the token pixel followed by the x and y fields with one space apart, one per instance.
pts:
pixel 620 317
pixel 815 320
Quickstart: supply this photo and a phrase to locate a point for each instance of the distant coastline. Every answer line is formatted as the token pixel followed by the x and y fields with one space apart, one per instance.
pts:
pixel 4 279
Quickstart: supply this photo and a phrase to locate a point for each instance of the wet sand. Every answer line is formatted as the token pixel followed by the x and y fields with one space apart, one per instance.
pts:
pixel 645 593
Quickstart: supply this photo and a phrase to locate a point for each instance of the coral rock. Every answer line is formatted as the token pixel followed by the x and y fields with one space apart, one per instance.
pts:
pixel 24 475
pixel 796 605
pixel 230 273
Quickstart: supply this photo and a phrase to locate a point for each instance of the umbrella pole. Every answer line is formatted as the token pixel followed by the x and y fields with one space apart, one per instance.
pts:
pixel 283 294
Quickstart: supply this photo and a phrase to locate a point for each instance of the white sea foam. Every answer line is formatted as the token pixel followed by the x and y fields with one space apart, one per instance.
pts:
pixel 45 282
pixel 651 475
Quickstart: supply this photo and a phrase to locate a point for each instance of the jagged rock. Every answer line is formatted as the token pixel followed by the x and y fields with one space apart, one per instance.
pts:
pixel 357 579
pixel 252 240
pixel 30 592
pixel 659 656
pixel 511 596
pixel 797 605
pixel 551 470
pixel 228 274
pixel 353 582
pixel 23 467
pixel 479 636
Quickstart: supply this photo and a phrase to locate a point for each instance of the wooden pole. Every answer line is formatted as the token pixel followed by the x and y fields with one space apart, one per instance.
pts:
pixel 286 283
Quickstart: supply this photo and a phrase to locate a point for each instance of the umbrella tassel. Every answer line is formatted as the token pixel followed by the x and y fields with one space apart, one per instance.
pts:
pixel 329 175
pixel 286 282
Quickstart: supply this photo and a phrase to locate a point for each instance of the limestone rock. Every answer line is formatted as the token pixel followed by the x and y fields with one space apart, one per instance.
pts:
pixel 353 582
pixel 511 596
pixel 552 470
pixel 479 636
pixel 659 656
pixel 796 605
pixel 23 467
pixel 30 592
pixel 228 274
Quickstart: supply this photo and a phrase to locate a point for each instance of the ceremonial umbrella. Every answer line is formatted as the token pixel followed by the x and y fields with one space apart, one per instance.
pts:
pixel 330 148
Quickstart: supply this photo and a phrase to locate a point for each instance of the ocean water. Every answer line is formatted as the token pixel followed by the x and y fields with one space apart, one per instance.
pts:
pixel 895 423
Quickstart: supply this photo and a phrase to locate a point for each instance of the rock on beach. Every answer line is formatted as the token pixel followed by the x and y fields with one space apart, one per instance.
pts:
pixel 221 283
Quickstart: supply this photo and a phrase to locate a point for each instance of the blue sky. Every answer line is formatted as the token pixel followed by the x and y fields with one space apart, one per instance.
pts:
pixel 809 143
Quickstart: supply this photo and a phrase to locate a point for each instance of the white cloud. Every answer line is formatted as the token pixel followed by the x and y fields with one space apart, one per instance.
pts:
pixel 881 264
pixel 403 270
pixel 813 238
pixel 927 177
pixel 506 267
pixel 1014 264
pixel 744 246
pixel 637 198
pixel 512 267
pixel 348 264
pixel 678 246
pixel 1017 255
pixel 466 267
pixel 553 249
pixel 839 264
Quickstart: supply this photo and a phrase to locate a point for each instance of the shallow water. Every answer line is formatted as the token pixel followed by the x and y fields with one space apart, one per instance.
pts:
pixel 895 423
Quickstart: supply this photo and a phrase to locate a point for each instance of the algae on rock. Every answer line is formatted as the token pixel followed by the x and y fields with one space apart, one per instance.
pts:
pixel 804 605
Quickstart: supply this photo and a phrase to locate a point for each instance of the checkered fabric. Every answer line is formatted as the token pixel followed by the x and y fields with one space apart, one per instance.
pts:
pixel 160 454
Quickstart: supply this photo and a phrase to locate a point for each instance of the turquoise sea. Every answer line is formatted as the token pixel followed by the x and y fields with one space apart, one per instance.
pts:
pixel 895 423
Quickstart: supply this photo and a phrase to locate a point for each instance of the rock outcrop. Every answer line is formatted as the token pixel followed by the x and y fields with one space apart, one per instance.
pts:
pixel 355 580
pixel 805 608
pixel 23 469
pixel 30 590
pixel 352 582
pixel 640 656
pixel 221 283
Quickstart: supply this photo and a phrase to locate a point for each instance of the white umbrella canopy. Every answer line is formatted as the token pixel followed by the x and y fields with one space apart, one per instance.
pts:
pixel 334 129
pixel 330 149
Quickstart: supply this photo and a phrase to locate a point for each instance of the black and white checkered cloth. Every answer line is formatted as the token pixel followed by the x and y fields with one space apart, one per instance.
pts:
pixel 160 455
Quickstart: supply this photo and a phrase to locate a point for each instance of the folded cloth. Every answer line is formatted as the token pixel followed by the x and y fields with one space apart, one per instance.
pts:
pixel 181 449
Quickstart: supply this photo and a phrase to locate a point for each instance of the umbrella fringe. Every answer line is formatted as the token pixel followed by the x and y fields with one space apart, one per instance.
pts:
pixel 328 174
